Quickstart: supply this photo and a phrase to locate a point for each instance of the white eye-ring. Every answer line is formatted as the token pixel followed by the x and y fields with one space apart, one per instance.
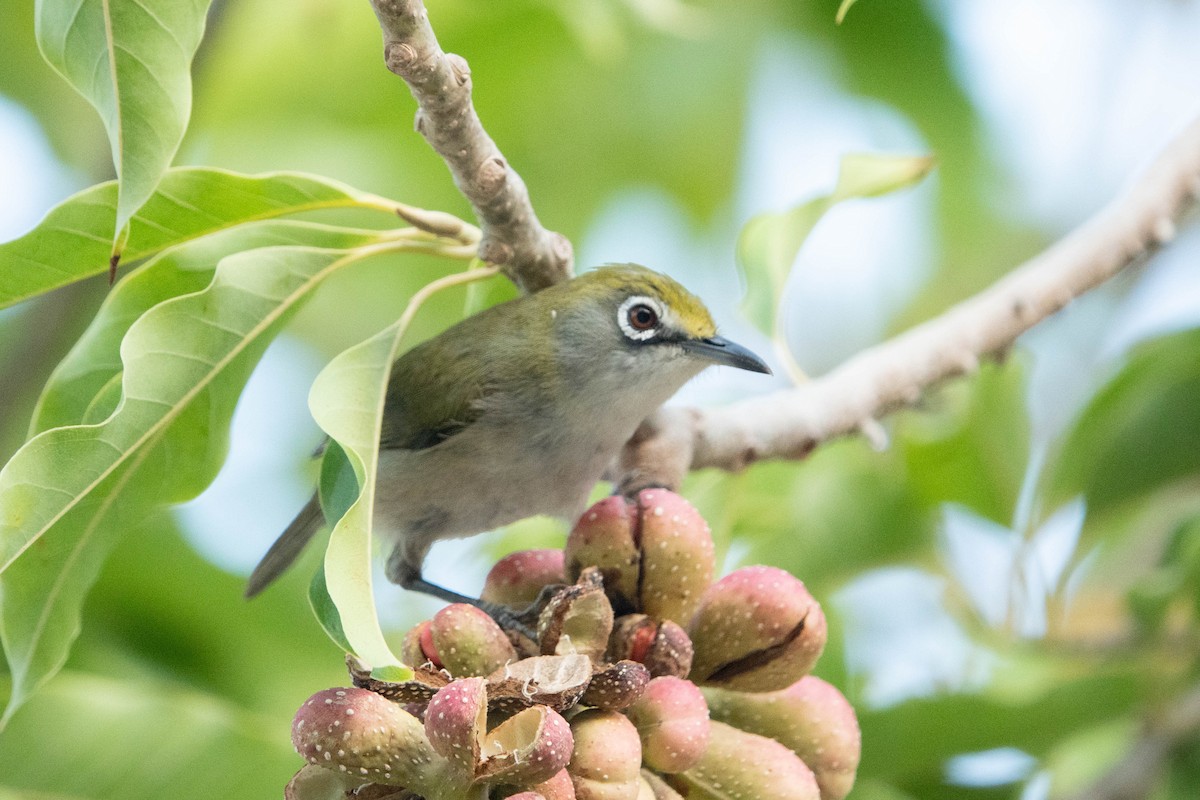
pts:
pixel 639 317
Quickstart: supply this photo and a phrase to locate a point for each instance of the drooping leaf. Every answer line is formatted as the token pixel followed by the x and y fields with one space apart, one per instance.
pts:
pixel 338 489
pixel 95 358
pixel 75 239
pixel 769 243
pixel 132 61
pixel 69 491
pixel 347 401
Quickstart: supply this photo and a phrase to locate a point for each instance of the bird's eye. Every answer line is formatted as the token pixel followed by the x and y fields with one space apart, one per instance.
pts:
pixel 642 317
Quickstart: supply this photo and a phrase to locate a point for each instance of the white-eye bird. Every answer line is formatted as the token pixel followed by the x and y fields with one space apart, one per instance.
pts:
pixel 519 410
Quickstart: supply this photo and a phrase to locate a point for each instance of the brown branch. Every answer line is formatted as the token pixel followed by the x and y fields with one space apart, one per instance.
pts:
pixel 790 423
pixel 513 238
pixel 1136 775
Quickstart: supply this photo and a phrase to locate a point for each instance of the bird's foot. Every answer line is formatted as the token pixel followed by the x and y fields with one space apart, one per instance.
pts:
pixel 522 622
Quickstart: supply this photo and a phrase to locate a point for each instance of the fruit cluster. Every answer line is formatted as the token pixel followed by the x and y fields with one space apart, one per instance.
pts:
pixel 643 680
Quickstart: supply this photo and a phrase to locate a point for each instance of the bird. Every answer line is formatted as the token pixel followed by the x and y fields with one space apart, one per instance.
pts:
pixel 520 409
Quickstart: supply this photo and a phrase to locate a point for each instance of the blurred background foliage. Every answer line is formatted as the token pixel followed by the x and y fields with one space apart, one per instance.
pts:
pixel 1013 584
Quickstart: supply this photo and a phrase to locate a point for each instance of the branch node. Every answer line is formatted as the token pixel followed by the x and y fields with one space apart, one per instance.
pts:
pixel 460 68
pixel 1164 230
pixel 399 57
pixel 491 176
pixel 495 251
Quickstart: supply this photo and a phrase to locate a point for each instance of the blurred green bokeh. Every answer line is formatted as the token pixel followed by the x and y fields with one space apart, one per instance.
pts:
pixel 1009 626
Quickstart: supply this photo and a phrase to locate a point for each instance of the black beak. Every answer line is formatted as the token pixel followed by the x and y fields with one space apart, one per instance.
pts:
pixel 720 350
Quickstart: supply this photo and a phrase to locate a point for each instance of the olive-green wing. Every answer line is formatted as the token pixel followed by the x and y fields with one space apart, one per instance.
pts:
pixel 435 391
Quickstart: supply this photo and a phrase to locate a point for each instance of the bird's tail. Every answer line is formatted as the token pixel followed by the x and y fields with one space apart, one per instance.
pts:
pixel 287 547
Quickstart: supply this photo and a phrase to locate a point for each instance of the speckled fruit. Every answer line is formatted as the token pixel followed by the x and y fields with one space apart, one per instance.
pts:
pixel 358 732
pixel 671 718
pixel 468 642
pixel 558 787
pixel 456 720
pixel 418 648
pixel 654 550
pixel 811 717
pixel 518 578
pixel 757 630
pixel 607 758
pixel 605 538
pixel 745 766
pixel 655 788
pixel 677 555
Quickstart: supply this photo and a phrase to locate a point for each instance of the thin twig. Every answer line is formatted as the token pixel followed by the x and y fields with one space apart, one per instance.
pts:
pixel 790 423
pixel 513 238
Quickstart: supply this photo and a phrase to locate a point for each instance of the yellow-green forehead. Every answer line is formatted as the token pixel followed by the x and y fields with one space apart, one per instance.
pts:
pixel 633 279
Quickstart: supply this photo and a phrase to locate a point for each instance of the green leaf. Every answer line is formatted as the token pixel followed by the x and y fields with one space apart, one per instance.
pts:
pixel 71 490
pixel 842 9
pixel 347 401
pixel 769 243
pixel 1035 722
pixel 131 59
pixel 74 240
pixel 971 446
pixel 91 365
pixel 1142 430
pixel 93 737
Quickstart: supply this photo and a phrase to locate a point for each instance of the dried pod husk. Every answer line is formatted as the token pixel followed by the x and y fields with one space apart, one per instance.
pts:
pixel 527 748
pixel 456 720
pixel 555 681
pixel 517 579
pixel 616 686
pixel 468 642
pixel 757 630
pixel 605 538
pixel 664 647
pixel 811 717
pixel 358 732
pixel 677 555
pixel 745 766
pixel 412 650
pixel 671 718
pixel 607 759
pixel 417 689
pixel 578 619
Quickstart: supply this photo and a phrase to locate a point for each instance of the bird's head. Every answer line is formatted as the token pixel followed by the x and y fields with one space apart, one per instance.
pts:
pixel 641 324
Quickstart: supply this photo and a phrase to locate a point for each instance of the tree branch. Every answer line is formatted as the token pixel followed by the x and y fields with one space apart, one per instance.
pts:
pixel 790 423
pixel 513 238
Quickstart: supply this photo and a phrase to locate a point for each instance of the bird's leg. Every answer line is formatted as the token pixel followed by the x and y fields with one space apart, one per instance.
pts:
pixel 400 570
